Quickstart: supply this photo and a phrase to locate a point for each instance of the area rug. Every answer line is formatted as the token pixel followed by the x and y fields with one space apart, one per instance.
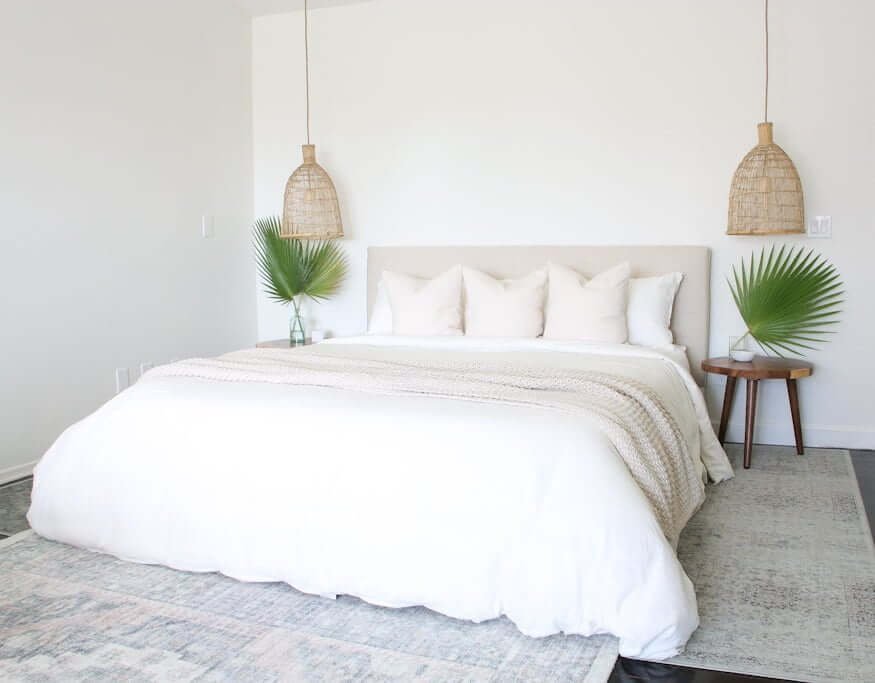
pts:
pixel 784 568
pixel 781 557
pixel 68 614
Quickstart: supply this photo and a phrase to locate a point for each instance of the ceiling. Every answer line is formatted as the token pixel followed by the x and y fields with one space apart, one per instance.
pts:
pixel 260 7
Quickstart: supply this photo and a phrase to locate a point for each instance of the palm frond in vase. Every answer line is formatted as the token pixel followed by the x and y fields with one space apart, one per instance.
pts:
pixel 789 299
pixel 292 269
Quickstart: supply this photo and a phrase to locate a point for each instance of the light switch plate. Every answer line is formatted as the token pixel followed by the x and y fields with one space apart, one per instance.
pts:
pixel 207 227
pixel 122 379
pixel 820 227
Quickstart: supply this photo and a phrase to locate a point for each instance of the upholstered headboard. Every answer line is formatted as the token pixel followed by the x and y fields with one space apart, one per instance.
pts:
pixel 690 318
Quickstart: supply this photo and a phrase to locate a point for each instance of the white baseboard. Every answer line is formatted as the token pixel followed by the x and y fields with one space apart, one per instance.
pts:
pixel 17 472
pixel 816 436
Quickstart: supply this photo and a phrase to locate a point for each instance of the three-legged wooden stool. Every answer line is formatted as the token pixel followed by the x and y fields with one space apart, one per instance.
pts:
pixel 789 369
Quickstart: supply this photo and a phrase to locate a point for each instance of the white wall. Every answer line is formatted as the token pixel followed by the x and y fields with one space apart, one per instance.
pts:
pixel 121 123
pixel 584 122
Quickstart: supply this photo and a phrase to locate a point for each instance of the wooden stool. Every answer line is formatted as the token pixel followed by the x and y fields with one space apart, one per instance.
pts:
pixel 789 369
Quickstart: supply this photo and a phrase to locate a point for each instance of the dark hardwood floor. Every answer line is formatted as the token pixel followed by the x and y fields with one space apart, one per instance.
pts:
pixel 631 671
pixel 864 466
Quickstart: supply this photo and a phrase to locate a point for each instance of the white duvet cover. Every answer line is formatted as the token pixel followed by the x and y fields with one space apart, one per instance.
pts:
pixel 472 509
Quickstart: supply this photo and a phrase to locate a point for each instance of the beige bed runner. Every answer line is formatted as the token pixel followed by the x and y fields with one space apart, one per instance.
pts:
pixel 628 412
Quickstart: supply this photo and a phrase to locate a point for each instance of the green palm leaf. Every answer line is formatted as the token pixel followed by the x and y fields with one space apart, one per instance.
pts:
pixel 789 298
pixel 291 268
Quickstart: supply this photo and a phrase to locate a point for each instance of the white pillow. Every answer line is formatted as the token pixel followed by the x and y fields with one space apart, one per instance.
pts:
pixel 504 308
pixel 381 314
pixel 425 307
pixel 587 310
pixel 648 315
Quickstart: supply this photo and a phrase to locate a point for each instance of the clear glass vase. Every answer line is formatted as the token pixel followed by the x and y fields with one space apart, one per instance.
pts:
pixel 296 324
pixel 741 348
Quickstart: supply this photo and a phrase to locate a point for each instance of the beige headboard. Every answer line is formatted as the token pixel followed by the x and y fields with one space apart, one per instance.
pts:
pixel 690 318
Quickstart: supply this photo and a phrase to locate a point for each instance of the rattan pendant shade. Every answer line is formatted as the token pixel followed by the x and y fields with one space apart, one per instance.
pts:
pixel 310 207
pixel 766 193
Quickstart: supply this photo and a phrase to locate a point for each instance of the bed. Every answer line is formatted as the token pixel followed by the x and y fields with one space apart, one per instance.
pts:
pixel 476 477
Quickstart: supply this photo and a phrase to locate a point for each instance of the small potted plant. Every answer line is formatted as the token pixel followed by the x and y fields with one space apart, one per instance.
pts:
pixel 789 300
pixel 292 270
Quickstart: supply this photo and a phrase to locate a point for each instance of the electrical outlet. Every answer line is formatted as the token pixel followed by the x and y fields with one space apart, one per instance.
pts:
pixel 122 379
pixel 820 227
pixel 208 225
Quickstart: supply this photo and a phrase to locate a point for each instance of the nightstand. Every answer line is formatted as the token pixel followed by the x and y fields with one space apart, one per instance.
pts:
pixel 281 344
pixel 788 369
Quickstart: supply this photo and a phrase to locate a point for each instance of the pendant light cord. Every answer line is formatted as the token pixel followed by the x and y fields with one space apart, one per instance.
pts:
pixel 307 67
pixel 766 98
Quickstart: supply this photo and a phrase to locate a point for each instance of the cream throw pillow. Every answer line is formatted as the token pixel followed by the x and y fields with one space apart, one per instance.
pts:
pixel 381 314
pixel 504 308
pixel 422 307
pixel 587 310
pixel 651 300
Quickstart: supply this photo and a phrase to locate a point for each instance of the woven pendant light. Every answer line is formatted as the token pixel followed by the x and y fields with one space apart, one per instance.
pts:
pixel 310 207
pixel 766 193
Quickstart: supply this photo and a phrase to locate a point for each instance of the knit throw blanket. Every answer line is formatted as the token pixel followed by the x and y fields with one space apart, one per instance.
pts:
pixel 629 413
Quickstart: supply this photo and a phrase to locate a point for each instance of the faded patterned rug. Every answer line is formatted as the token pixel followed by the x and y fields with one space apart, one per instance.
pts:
pixel 782 559
pixel 784 567
pixel 72 615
